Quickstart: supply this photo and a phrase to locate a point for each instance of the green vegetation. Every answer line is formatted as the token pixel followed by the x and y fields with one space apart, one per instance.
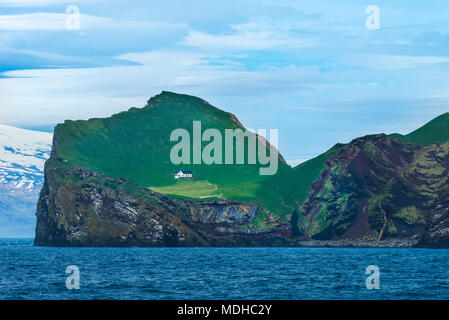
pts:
pixel 391 229
pixel 190 189
pixel 260 221
pixel 434 131
pixel 410 215
pixel 376 219
pixel 136 145
pixel 289 188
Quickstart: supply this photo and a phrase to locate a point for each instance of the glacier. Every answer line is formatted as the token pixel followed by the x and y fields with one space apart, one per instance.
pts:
pixel 22 157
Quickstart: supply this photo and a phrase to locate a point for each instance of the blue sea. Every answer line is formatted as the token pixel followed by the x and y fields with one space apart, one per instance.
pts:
pixel 28 272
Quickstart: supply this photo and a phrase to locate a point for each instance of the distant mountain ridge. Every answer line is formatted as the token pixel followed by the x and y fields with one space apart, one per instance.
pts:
pixel 22 157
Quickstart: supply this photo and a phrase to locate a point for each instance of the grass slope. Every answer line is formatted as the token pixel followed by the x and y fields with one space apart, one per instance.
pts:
pixel 190 189
pixel 136 145
pixel 285 191
pixel 289 188
pixel 437 130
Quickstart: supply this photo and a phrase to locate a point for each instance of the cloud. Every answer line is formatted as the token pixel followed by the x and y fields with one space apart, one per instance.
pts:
pixel 36 3
pixel 58 94
pixel 176 58
pixel 393 62
pixel 41 40
pixel 248 36
pixel 400 62
pixel 51 21
pixel 299 67
pixel 100 91
pixel 46 21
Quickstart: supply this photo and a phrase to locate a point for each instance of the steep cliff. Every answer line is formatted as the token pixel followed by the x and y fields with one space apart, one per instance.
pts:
pixel 378 188
pixel 78 207
pixel 437 230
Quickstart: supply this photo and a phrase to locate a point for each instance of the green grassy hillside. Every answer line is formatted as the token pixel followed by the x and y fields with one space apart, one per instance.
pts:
pixel 136 145
pixel 190 189
pixel 286 190
pixel 434 131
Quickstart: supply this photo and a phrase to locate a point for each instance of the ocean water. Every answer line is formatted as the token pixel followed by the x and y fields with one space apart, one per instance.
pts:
pixel 28 272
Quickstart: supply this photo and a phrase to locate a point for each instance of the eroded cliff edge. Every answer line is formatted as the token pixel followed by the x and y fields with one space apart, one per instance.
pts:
pixel 381 188
pixel 78 207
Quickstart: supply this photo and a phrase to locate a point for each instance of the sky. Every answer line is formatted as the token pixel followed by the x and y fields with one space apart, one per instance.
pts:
pixel 319 72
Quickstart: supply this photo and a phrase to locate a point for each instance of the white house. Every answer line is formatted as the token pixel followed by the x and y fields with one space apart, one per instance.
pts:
pixel 183 174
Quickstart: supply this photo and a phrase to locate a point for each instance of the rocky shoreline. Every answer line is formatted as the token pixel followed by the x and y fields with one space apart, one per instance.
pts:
pixel 153 220
pixel 392 243
pixel 279 242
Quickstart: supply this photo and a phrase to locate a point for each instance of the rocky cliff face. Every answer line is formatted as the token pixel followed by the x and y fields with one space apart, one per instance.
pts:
pixel 379 188
pixel 78 207
pixel 222 211
pixel 437 231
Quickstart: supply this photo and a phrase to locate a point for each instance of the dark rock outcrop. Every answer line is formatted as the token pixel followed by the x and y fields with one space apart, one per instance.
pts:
pixel 81 208
pixel 381 188
pixel 437 231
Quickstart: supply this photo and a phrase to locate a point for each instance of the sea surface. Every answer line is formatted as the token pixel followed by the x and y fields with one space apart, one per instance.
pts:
pixel 28 272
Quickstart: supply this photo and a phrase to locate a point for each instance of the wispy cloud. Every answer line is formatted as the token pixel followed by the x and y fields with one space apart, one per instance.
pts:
pixel 51 21
pixel 37 3
pixel 249 36
pixel 393 62
pixel 44 21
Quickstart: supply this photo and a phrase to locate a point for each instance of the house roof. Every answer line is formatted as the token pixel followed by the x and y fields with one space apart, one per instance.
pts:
pixel 184 171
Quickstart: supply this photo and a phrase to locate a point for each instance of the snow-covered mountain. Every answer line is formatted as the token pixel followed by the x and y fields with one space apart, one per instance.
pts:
pixel 22 157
